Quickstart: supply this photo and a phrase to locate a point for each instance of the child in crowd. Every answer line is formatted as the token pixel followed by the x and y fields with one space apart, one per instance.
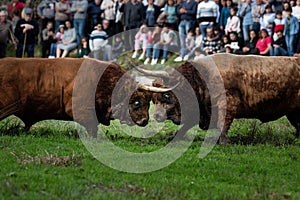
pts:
pixel 84 50
pixel 189 45
pixel 117 48
pixel 153 38
pixel 58 39
pixel 233 22
pixel 140 39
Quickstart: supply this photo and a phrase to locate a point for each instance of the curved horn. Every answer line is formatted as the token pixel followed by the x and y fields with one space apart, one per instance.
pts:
pixel 161 74
pixel 157 89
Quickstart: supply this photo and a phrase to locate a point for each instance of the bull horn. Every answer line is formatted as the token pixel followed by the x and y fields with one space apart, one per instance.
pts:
pixel 157 89
pixel 158 73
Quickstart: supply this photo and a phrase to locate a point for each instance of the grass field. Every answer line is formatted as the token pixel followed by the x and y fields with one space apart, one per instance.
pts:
pixel 50 162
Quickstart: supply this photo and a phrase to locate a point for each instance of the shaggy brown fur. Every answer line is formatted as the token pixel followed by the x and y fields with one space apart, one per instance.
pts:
pixel 39 89
pixel 265 88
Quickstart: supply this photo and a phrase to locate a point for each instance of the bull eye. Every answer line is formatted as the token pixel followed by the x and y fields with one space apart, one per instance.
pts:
pixel 136 104
pixel 166 95
pixel 166 98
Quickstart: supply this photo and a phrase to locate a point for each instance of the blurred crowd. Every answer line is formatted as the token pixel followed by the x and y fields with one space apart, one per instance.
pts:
pixel 190 28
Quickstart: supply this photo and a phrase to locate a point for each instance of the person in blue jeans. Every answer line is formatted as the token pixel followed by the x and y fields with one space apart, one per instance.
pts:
pixel 187 14
pixel 79 8
pixel 278 47
pixel 291 29
pixel 168 42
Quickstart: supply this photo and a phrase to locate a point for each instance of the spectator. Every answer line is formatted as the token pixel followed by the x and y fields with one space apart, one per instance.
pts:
pixel 108 6
pixel 198 53
pixel 119 7
pixel 206 14
pixel 94 12
pixel 140 39
pixel 209 45
pixel 68 42
pixel 189 45
pixel 250 46
pixel 152 13
pixel 266 20
pixel 118 46
pixel 245 13
pixel 198 42
pixel 99 44
pixel 224 41
pixel 187 12
pixel 46 12
pixel 233 22
pixel 15 7
pixel 5 33
pixel 278 23
pixel 58 40
pixel 258 10
pixel 153 38
pixel 278 47
pixel 79 8
pixel 264 43
pixel 26 5
pixel 291 29
pixel 84 48
pixel 133 18
pixel 236 43
pixel 225 13
pixel 26 32
pixel 296 10
pixel 168 42
pixel 48 37
pixel 171 15
pixel 286 5
pixel 62 13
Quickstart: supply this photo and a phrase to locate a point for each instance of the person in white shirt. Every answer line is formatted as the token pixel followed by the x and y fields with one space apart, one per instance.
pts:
pixel 98 43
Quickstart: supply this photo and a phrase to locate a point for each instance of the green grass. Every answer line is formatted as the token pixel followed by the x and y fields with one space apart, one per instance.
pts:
pixel 50 162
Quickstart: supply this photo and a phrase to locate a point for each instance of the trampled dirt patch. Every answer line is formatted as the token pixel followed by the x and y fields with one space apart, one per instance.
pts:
pixel 48 159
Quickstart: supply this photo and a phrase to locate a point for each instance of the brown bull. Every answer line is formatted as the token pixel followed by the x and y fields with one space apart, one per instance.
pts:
pixel 265 88
pixel 40 89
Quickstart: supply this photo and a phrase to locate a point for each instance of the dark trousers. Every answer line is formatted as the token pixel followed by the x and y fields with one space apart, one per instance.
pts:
pixel 29 49
pixel 2 50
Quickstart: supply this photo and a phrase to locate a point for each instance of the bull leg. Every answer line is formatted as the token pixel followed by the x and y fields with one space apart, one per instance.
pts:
pixel 232 103
pixel 294 119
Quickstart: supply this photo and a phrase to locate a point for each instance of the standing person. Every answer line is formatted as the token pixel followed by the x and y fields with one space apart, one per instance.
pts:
pixel 246 14
pixel 258 10
pixel 48 37
pixel 98 44
pixel 108 6
pixel 266 20
pixel 26 32
pixel 46 12
pixel 171 13
pixel 187 11
pixel 264 43
pixel 5 33
pixel 233 23
pixel 68 42
pixel 119 6
pixel 152 13
pixel 291 29
pixel 133 18
pixel 225 13
pixel 15 7
pixel 79 8
pixel 94 12
pixel 62 12
pixel 206 14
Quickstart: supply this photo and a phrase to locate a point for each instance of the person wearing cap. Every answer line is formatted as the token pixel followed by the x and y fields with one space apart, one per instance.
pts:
pixel 5 33
pixel 26 32
pixel 98 44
